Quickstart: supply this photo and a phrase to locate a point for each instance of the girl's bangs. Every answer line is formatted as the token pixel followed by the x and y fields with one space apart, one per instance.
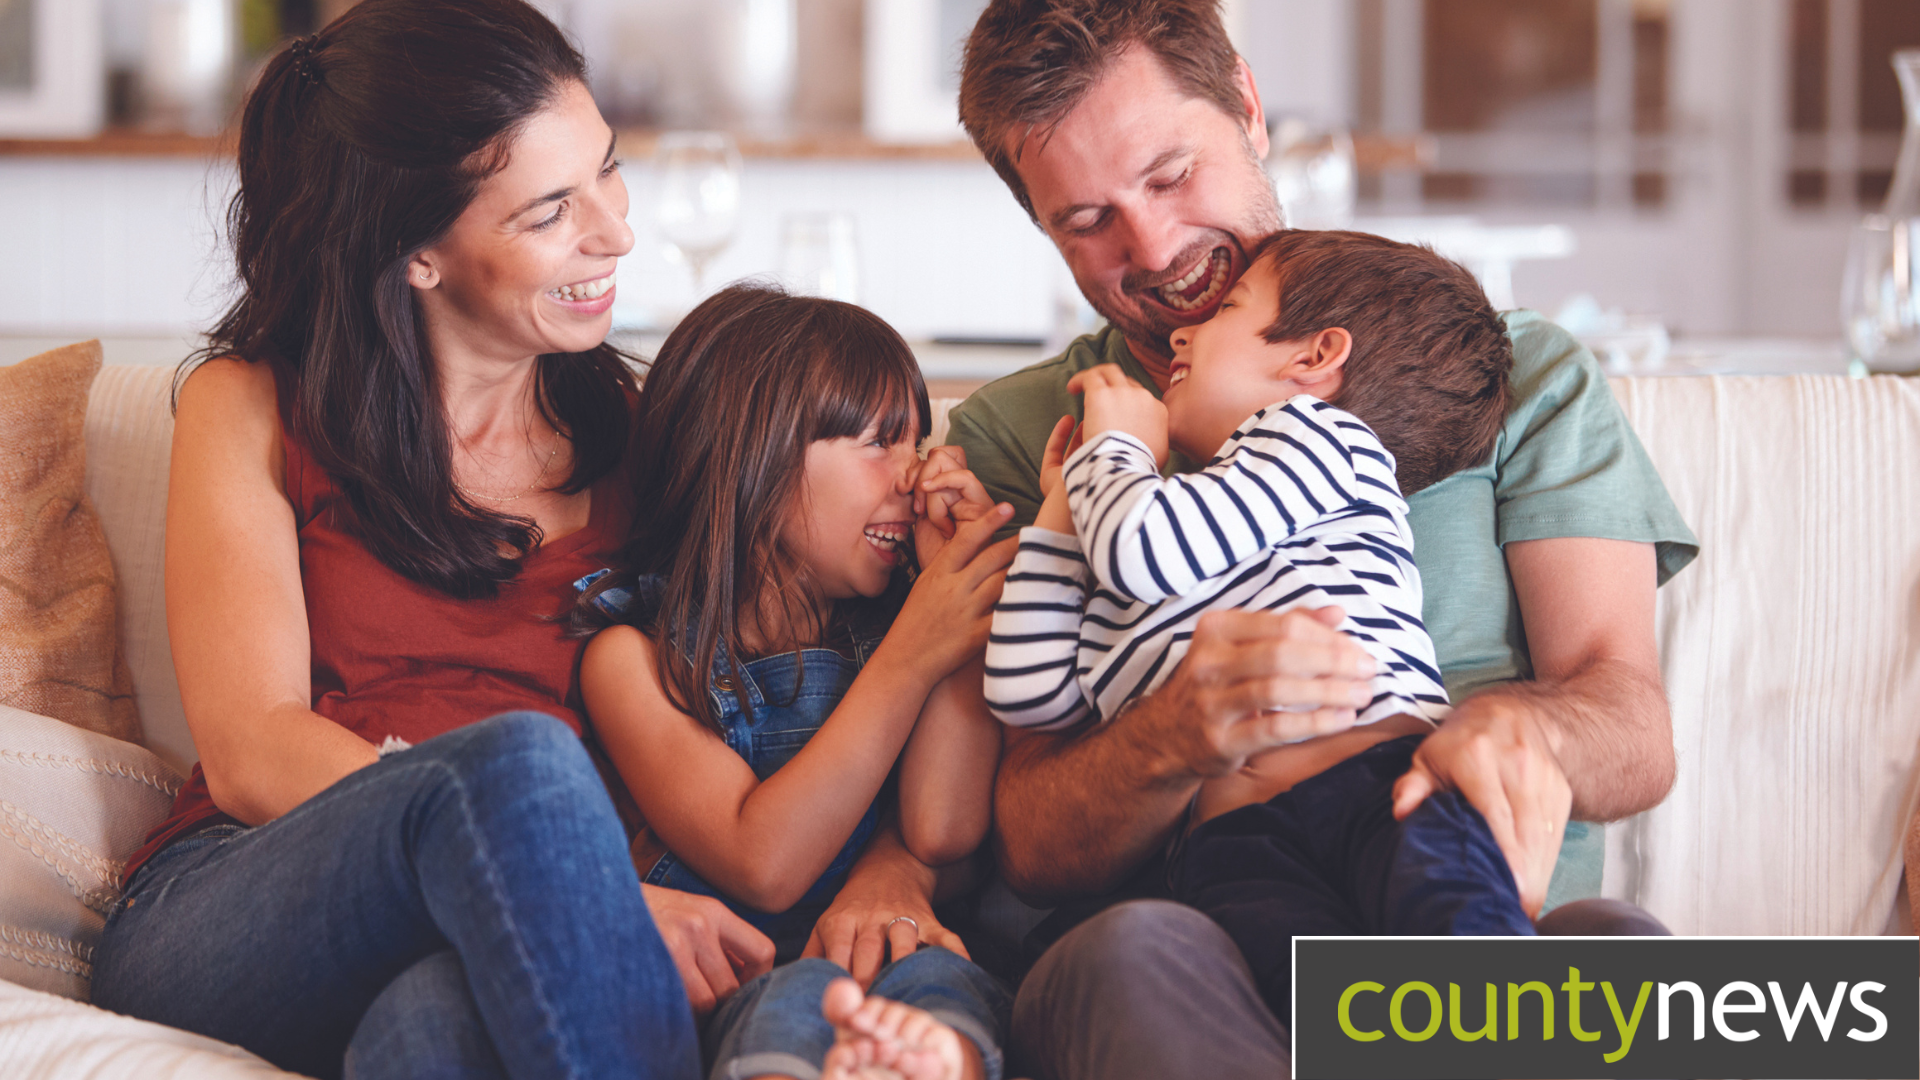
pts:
pixel 872 378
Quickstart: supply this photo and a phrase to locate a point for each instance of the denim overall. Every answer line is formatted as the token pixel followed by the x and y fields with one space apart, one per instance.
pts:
pixel 792 695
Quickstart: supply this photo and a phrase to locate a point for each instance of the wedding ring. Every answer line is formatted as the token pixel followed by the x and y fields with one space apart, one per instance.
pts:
pixel 908 919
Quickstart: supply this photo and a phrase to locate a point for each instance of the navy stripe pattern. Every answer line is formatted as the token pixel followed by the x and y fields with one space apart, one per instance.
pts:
pixel 1301 509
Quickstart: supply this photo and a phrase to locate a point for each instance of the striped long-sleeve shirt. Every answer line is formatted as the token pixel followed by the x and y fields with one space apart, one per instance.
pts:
pixel 1301 509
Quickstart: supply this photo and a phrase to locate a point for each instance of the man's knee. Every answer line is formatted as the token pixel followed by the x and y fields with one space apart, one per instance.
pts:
pixel 1139 949
pixel 1139 934
pixel 1599 917
pixel 1146 988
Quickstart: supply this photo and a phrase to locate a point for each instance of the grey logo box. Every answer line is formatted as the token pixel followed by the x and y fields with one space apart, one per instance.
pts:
pixel 1761 1008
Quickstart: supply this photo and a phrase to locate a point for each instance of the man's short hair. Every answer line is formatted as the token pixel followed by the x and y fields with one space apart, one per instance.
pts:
pixel 1029 62
pixel 1430 362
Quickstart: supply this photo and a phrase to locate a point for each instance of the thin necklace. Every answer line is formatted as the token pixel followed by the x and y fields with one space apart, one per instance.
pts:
pixel 548 464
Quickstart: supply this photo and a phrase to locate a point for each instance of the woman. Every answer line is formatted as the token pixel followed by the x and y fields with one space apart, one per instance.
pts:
pixel 408 446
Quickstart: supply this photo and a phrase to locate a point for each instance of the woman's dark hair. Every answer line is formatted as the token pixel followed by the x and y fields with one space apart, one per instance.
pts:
pixel 741 387
pixel 360 147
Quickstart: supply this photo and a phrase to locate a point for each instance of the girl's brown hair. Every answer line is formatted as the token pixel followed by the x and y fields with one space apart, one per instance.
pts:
pixel 741 387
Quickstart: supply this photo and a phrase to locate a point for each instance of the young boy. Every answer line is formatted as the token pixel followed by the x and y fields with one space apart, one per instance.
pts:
pixel 1336 357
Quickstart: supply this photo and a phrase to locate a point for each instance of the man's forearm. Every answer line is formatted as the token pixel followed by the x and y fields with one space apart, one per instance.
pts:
pixel 1610 730
pixel 1076 814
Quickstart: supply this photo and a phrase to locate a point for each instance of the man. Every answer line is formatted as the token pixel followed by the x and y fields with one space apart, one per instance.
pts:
pixel 1133 135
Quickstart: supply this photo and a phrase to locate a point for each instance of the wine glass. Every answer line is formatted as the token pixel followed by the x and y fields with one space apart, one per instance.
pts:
pixel 818 256
pixel 1880 294
pixel 699 198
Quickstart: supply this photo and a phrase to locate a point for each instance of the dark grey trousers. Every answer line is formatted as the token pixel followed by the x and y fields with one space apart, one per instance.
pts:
pixel 1154 990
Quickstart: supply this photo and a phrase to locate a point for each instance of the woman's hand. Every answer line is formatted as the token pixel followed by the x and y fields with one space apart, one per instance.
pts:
pixel 714 949
pixel 946 616
pixel 868 923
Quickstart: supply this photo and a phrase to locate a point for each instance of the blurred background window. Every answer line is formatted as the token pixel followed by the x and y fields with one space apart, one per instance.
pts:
pixel 1535 102
pixel 1652 171
pixel 1845 106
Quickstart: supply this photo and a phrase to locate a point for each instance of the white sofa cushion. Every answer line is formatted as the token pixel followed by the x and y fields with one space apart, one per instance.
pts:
pixel 129 432
pixel 43 1037
pixel 73 806
pixel 1791 651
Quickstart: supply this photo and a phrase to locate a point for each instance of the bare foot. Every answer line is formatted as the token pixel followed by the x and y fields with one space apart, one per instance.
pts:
pixel 878 1039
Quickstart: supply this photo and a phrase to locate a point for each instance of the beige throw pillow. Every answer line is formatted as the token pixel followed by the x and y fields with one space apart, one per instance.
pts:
pixel 59 643
pixel 73 807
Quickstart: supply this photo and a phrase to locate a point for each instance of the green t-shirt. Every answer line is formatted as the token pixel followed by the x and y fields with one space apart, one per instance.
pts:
pixel 1566 464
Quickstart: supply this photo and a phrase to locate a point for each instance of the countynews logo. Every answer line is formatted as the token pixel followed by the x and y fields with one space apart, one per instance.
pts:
pixel 1801 1008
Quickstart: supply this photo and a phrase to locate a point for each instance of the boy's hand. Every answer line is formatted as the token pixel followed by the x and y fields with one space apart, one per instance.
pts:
pixel 945 494
pixel 1063 442
pixel 1115 402
pixel 1054 513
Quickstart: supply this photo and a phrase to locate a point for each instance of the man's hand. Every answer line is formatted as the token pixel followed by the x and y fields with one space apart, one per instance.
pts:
pixel 1496 754
pixel 1115 402
pixel 1075 813
pixel 714 949
pixel 1253 680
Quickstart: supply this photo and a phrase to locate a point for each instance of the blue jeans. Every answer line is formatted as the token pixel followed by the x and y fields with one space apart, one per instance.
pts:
pixel 773 1025
pixel 462 908
pixel 1327 857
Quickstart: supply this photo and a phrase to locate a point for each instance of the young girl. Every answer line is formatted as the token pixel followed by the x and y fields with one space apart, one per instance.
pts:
pixel 766 664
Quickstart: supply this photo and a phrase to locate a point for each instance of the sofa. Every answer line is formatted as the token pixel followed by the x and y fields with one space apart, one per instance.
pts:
pixel 1790 649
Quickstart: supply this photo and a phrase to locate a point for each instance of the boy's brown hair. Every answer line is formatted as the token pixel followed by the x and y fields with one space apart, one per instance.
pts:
pixel 1029 62
pixel 1430 362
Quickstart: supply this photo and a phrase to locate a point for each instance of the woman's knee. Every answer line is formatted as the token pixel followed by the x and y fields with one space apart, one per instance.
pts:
pixel 526 771
pixel 518 744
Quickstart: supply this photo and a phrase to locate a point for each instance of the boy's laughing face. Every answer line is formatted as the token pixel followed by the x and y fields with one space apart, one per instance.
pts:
pixel 1225 370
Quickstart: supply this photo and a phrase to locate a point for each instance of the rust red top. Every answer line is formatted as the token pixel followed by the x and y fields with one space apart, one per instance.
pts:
pixel 392 657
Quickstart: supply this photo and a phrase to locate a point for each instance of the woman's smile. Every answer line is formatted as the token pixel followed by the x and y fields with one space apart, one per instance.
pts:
pixel 585 297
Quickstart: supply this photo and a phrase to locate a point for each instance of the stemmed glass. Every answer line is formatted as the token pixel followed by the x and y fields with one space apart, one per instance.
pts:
pixel 699 198
pixel 1880 296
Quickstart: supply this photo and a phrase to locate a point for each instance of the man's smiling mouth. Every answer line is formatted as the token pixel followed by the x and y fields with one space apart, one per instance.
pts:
pixel 1199 287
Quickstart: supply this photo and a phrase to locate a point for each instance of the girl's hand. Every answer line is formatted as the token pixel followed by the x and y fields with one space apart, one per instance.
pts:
pixel 945 619
pixel 945 494
pixel 872 919
pixel 714 949
pixel 1115 402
